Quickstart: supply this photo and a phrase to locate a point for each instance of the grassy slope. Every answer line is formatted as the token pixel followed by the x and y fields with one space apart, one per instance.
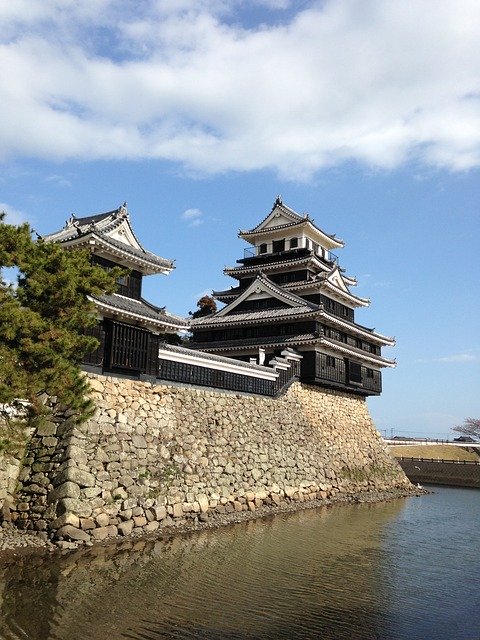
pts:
pixel 442 451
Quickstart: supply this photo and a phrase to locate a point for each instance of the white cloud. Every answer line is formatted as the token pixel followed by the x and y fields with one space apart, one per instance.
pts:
pixel 60 181
pixel 459 357
pixel 194 217
pixel 380 82
pixel 14 216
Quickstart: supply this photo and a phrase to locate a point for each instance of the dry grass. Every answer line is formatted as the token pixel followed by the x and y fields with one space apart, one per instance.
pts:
pixel 442 451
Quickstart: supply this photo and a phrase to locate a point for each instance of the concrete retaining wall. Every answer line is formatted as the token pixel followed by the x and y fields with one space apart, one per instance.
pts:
pixel 449 473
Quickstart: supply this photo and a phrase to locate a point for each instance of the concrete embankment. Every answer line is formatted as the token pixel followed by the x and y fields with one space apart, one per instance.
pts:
pixel 158 455
pixel 447 472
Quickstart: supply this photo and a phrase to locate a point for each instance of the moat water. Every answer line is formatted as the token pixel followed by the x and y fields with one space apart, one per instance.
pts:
pixel 403 570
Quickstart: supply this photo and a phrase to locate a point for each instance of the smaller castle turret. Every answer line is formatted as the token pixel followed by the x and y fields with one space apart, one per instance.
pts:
pixel 129 327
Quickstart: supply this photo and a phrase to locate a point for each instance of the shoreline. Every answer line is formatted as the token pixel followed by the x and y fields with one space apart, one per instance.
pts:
pixel 15 541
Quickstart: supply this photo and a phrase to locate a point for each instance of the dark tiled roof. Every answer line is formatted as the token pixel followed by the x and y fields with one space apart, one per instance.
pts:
pixel 87 220
pixel 278 203
pixel 100 226
pixel 233 291
pixel 296 220
pixel 281 264
pixel 77 227
pixel 142 308
pixel 362 355
pixel 256 316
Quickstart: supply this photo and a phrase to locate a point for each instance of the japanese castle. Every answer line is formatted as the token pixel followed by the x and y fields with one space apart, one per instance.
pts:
pixel 291 293
pixel 129 329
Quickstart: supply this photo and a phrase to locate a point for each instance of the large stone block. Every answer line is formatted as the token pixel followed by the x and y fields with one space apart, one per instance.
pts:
pixel 81 508
pixel 72 533
pixel 125 528
pixel 102 519
pixel 66 518
pixel 46 429
pixel 77 454
pixel 73 474
pixel 65 490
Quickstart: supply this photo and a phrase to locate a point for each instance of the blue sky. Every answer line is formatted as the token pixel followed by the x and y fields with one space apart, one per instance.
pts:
pixel 364 114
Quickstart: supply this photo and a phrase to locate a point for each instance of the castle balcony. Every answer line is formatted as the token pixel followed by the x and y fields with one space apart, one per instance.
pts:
pixel 252 258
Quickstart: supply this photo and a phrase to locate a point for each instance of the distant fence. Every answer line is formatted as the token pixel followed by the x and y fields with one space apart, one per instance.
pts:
pixel 407 459
pixel 463 473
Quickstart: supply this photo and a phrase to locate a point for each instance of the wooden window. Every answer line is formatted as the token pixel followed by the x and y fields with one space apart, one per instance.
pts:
pixel 262 248
pixel 129 347
pixel 130 285
pixel 331 361
pixel 293 243
pixel 278 245
pixel 354 372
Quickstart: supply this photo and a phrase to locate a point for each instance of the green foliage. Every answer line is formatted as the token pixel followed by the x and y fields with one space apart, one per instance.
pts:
pixel 43 319
pixel 12 438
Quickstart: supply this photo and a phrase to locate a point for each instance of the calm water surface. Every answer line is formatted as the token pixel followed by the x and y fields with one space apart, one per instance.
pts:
pixel 403 570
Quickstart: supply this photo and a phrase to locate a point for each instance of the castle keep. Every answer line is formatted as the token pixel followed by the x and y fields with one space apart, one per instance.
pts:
pixel 292 292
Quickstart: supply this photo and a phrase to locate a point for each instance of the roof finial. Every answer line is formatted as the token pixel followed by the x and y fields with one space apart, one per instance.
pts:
pixel 122 209
pixel 278 200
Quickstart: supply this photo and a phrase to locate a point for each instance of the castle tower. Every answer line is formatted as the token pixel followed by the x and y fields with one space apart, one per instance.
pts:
pixel 291 292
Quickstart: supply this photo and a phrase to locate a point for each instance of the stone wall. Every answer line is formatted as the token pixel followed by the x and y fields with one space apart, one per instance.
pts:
pixel 157 454
pixel 12 450
pixel 9 472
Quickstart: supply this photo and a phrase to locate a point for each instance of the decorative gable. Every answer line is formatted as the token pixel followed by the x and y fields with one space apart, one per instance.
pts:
pixel 280 215
pixel 124 233
pixel 276 219
pixel 262 287
pixel 336 278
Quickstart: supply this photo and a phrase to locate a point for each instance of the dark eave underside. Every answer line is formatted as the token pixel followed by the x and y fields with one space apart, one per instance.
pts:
pixel 282 265
pixel 274 341
pixel 144 256
pixel 291 341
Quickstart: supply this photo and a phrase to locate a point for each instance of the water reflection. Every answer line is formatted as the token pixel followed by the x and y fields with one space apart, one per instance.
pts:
pixel 329 573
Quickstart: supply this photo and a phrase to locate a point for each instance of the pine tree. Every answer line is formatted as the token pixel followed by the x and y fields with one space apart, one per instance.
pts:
pixel 43 320
pixel 206 306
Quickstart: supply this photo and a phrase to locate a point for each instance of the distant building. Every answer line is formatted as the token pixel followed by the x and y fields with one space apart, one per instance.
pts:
pixel 291 292
pixel 129 328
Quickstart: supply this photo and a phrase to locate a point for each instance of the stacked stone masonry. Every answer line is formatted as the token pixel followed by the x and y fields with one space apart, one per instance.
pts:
pixel 155 454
